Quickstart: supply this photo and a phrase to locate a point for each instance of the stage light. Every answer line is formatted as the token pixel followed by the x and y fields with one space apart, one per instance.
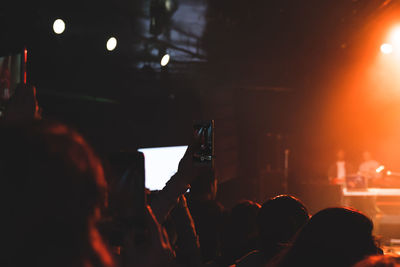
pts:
pixel 165 60
pixel 111 44
pixel 59 26
pixel 389 173
pixel 386 48
pixel 380 168
pixel 395 35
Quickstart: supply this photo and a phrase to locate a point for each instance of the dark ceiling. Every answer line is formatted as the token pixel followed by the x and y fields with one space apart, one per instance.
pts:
pixel 279 43
pixel 294 45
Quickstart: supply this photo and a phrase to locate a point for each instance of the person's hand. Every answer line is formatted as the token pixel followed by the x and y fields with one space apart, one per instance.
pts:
pixel 188 169
pixel 154 251
pixel 167 198
pixel 182 203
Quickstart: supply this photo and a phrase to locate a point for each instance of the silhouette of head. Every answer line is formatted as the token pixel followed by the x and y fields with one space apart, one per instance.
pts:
pixel 243 218
pixel 52 191
pixel 279 219
pixel 333 237
pixel 241 231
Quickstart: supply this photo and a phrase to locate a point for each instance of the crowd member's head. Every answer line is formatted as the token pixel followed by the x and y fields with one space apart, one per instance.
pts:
pixel 52 193
pixel 333 237
pixel 241 231
pixel 279 219
pixel 243 219
pixel 379 261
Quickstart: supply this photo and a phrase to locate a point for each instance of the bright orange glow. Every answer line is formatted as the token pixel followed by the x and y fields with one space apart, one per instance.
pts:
pixel 386 48
pixel 394 36
pixel 389 173
pixel 362 107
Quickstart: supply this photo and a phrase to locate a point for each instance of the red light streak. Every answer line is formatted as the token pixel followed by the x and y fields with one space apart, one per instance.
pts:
pixel 25 62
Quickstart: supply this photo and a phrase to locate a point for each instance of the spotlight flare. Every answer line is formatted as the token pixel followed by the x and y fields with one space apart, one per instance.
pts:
pixel 165 60
pixel 386 48
pixel 111 44
pixel 59 26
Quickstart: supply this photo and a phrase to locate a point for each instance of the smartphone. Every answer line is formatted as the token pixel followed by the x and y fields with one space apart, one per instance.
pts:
pixel 204 132
pixel 12 73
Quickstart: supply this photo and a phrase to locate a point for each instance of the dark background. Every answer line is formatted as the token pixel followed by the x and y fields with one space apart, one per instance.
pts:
pixel 274 75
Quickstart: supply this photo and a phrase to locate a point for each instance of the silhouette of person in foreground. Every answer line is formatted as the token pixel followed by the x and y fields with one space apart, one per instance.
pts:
pixel 279 219
pixel 53 190
pixel 240 234
pixel 333 237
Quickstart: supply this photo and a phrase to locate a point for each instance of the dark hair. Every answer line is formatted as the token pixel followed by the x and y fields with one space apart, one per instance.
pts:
pixel 279 219
pixel 239 235
pixel 244 217
pixel 53 184
pixel 333 237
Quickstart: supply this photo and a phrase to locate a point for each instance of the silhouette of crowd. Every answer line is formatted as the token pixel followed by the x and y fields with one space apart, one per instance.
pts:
pixel 62 207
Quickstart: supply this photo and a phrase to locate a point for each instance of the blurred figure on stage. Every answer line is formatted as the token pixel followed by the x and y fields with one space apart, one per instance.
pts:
pixel 367 204
pixel 368 168
pixel 339 169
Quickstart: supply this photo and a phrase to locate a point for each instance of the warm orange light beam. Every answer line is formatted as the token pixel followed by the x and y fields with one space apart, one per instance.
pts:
pixel 386 48
pixel 394 36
